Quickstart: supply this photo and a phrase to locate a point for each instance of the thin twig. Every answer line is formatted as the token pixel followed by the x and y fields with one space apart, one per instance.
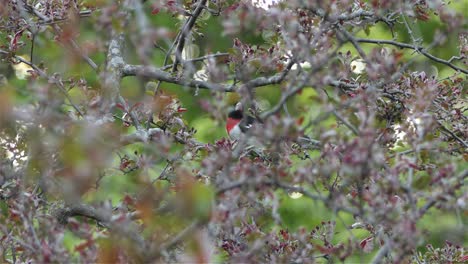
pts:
pixel 292 91
pixel 409 46
pixel 42 74
pixel 186 31
pixel 430 203
pixel 451 133
pixel 353 41
pixel 209 56
pixel 104 217
pixel 31 55
pixel 176 239
pixel 346 123
pixel 58 30
pixel 132 115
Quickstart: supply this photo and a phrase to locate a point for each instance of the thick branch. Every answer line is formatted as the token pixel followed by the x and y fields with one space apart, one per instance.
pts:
pixel 82 210
pixel 383 251
pixel 157 74
pixel 113 71
pixel 351 16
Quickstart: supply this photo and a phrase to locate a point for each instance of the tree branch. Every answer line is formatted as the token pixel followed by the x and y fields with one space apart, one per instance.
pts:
pixel 292 91
pixel 429 204
pixel 85 210
pixel 409 46
pixel 113 71
pixel 209 56
pixel 140 136
pixel 381 254
pixel 44 75
pixel 452 134
pixel 158 74
pixel 346 123
pixel 72 43
pixel 179 237
pixel 186 31
pixel 124 229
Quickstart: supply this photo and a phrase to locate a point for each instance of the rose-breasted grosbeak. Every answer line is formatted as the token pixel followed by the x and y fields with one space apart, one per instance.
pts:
pixel 237 123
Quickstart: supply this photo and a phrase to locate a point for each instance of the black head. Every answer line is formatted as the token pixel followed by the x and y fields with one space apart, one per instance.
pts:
pixel 236 114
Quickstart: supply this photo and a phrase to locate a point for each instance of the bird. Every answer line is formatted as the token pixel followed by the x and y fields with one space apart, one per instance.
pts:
pixel 237 126
pixel 238 123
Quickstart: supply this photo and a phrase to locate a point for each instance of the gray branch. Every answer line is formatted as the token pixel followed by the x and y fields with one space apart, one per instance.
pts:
pixel 113 71
pixel 158 74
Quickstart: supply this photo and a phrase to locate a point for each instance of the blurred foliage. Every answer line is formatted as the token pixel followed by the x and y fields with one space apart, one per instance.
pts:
pixel 193 198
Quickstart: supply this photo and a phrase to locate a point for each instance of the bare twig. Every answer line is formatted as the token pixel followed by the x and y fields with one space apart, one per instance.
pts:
pixel 231 186
pixel 209 56
pixel 353 41
pixel 72 43
pixel 431 202
pixel 132 115
pixel 277 184
pixel 287 188
pixel 44 75
pixel 410 31
pixel 346 123
pixel 452 134
pixel 292 91
pixel 105 218
pixel 179 237
pixel 186 32
pixel 140 136
pixel 409 46
pixel 31 54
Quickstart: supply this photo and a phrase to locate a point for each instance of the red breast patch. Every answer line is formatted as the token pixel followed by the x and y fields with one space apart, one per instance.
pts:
pixel 231 122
